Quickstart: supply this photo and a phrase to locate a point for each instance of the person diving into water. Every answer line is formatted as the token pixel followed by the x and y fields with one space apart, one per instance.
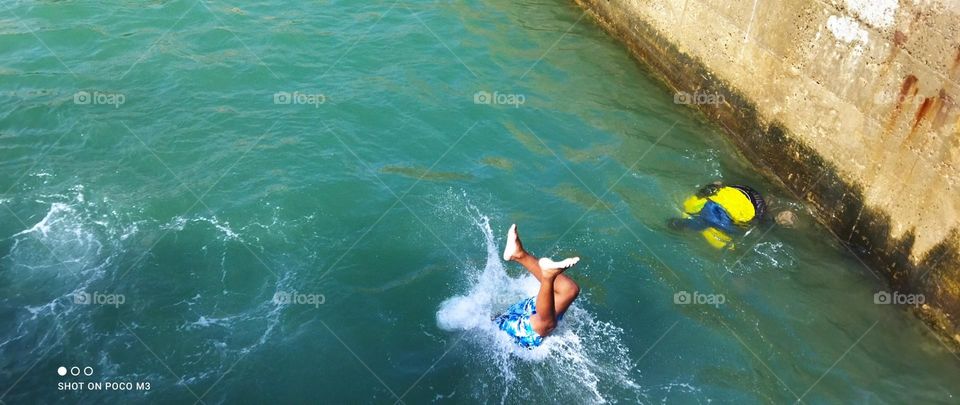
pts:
pixel 532 319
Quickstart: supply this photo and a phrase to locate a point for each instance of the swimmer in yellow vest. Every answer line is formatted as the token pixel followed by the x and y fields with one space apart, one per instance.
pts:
pixel 719 212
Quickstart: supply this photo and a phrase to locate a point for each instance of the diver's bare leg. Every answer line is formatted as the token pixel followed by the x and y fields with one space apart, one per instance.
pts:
pixel 545 320
pixel 564 285
pixel 514 251
pixel 564 289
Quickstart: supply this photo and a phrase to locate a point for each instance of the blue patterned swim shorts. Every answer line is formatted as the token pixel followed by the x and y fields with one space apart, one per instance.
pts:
pixel 516 322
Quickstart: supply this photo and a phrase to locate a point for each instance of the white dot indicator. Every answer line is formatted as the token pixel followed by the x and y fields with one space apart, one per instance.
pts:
pixel 62 371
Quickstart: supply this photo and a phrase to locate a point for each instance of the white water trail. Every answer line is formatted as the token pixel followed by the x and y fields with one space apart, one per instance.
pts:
pixel 69 251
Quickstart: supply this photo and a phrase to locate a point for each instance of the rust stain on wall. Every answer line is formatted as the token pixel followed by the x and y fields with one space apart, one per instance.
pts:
pixel 899 39
pixel 946 104
pixel 925 107
pixel 907 90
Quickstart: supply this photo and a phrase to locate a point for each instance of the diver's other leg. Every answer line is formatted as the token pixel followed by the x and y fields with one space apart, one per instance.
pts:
pixel 545 320
pixel 565 291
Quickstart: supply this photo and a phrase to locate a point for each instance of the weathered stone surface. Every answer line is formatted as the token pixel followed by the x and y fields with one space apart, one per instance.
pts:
pixel 851 104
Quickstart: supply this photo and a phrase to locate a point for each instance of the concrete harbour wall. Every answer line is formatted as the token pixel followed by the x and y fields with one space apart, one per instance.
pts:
pixel 851 104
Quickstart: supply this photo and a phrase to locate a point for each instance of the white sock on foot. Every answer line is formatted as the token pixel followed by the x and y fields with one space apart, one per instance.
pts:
pixel 547 263
pixel 511 247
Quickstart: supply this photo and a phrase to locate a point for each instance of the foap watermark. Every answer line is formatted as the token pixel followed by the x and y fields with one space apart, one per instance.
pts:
pixel 887 298
pixel 697 298
pixel 504 301
pixel 498 98
pixel 99 98
pixel 697 98
pixel 97 298
pixel 291 298
pixel 887 97
pixel 299 98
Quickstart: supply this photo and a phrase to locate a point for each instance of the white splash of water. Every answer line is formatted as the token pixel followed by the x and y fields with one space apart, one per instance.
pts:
pixel 67 252
pixel 581 360
pixel 178 223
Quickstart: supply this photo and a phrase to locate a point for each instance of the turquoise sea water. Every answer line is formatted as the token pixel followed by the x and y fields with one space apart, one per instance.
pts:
pixel 265 202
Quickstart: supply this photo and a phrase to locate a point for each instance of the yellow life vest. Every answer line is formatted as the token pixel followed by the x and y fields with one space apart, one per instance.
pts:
pixel 733 201
pixel 737 204
pixel 717 238
pixel 693 205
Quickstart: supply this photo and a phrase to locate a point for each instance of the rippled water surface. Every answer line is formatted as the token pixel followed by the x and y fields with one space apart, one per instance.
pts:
pixel 204 161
